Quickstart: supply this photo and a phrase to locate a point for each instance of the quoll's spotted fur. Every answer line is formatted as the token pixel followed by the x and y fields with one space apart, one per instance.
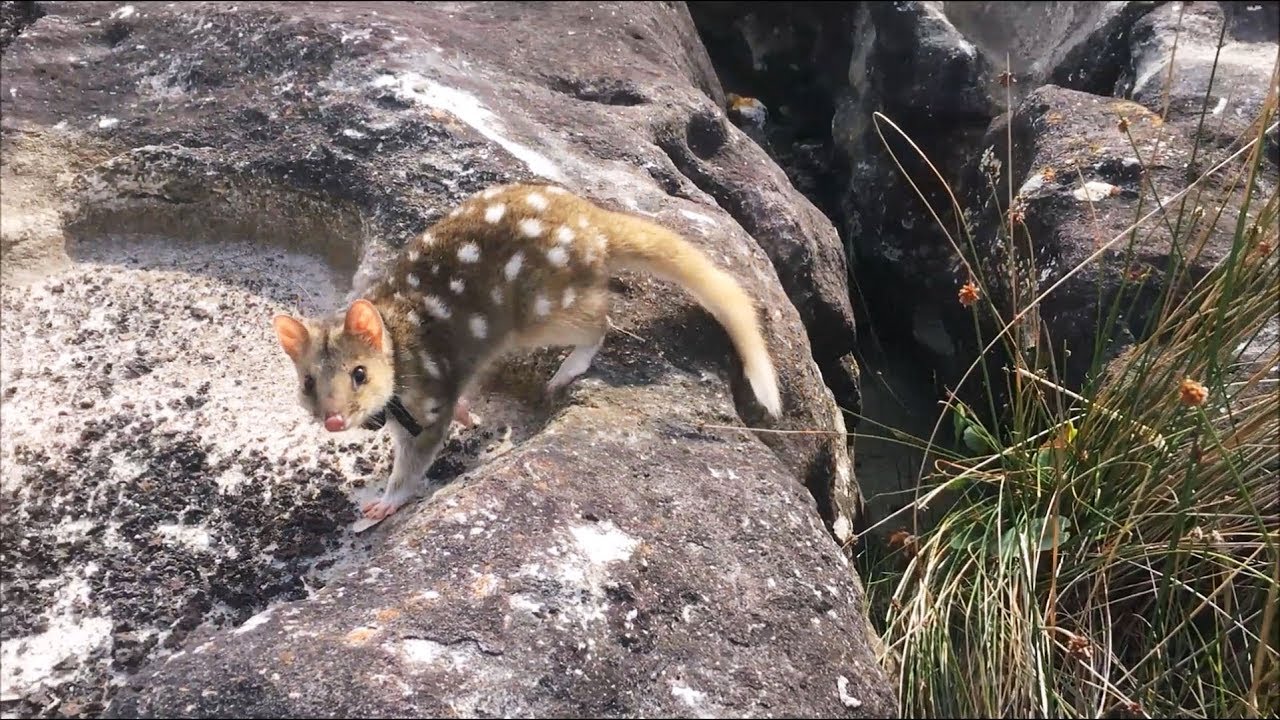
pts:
pixel 518 266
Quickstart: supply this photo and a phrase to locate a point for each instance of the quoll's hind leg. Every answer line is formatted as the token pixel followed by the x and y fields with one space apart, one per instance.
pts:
pixel 578 362
pixel 583 325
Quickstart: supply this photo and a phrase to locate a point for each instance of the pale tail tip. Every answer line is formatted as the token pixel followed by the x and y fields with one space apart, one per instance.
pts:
pixel 764 383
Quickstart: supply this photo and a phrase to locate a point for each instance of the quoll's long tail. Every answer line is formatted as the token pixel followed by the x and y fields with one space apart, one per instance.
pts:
pixel 643 245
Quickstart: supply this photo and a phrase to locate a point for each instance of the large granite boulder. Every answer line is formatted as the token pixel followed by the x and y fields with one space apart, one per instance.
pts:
pixel 174 174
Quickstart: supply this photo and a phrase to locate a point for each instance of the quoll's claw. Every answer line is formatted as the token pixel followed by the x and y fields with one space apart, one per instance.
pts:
pixel 462 413
pixel 378 510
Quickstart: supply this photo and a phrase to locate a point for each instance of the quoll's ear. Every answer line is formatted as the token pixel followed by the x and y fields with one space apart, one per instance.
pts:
pixel 364 322
pixel 292 335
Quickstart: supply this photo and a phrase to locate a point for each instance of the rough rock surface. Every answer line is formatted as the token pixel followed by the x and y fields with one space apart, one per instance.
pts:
pixel 1235 43
pixel 173 175
pixel 14 16
pixel 1086 166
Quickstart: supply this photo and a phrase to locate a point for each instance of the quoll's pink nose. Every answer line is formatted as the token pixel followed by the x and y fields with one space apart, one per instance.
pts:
pixel 334 422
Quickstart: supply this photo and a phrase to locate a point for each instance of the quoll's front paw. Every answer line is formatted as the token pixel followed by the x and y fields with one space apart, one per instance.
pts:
pixel 462 413
pixel 379 509
pixel 391 502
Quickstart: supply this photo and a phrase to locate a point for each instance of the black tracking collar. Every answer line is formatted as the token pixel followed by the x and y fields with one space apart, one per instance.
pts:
pixel 398 411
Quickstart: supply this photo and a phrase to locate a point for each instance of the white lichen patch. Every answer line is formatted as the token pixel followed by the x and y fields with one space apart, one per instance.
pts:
pixel 412 87
pixel 698 217
pixel 583 566
pixel 253 623
pixel 524 603
pixel 842 689
pixel 1094 190
pixel 1033 183
pixel 418 654
pixel 30 662
pixel 67 333
pixel 420 651
pixel 194 538
pixel 603 543
pixel 687 695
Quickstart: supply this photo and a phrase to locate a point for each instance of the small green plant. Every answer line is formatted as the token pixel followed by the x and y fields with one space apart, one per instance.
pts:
pixel 1115 551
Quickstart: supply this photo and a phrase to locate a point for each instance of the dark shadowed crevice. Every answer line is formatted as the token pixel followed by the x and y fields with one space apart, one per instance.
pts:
pixel 604 91
pixel 16 17
pixel 798 92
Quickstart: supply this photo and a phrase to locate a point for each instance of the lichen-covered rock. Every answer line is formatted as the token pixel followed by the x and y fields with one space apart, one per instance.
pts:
pixel 174 175
pixel 1084 167
pixel 586 574
pixel 938 72
pixel 1234 44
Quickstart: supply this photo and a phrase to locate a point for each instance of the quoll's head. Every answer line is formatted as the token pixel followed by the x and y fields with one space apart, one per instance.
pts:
pixel 344 364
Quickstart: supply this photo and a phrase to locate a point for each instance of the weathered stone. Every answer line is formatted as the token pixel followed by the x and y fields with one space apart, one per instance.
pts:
pixel 937 71
pixel 1085 168
pixel 1238 53
pixel 579 576
pixel 14 16
pixel 185 172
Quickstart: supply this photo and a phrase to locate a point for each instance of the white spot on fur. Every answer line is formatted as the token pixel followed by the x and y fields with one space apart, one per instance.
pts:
pixel 436 307
pixel 412 318
pixel 496 294
pixel 537 201
pixel 429 365
pixel 512 268
pixel 479 326
pixel 541 306
pixel 428 239
pixel 412 280
pixel 491 193
pixel 531 227
pixel 569 296
pixel 557 256
pixel 582 222
pixel 469 253
pixel 457 286
pixel 494 213
pixel 564 235
pixel 414 255
pixel 557 190
pixel 455 212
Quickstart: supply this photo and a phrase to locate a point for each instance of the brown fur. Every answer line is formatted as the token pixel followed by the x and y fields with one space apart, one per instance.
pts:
pixel 517 266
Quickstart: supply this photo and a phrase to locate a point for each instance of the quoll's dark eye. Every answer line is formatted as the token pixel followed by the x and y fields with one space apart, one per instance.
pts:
pixel 309 384
pixel 358 375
